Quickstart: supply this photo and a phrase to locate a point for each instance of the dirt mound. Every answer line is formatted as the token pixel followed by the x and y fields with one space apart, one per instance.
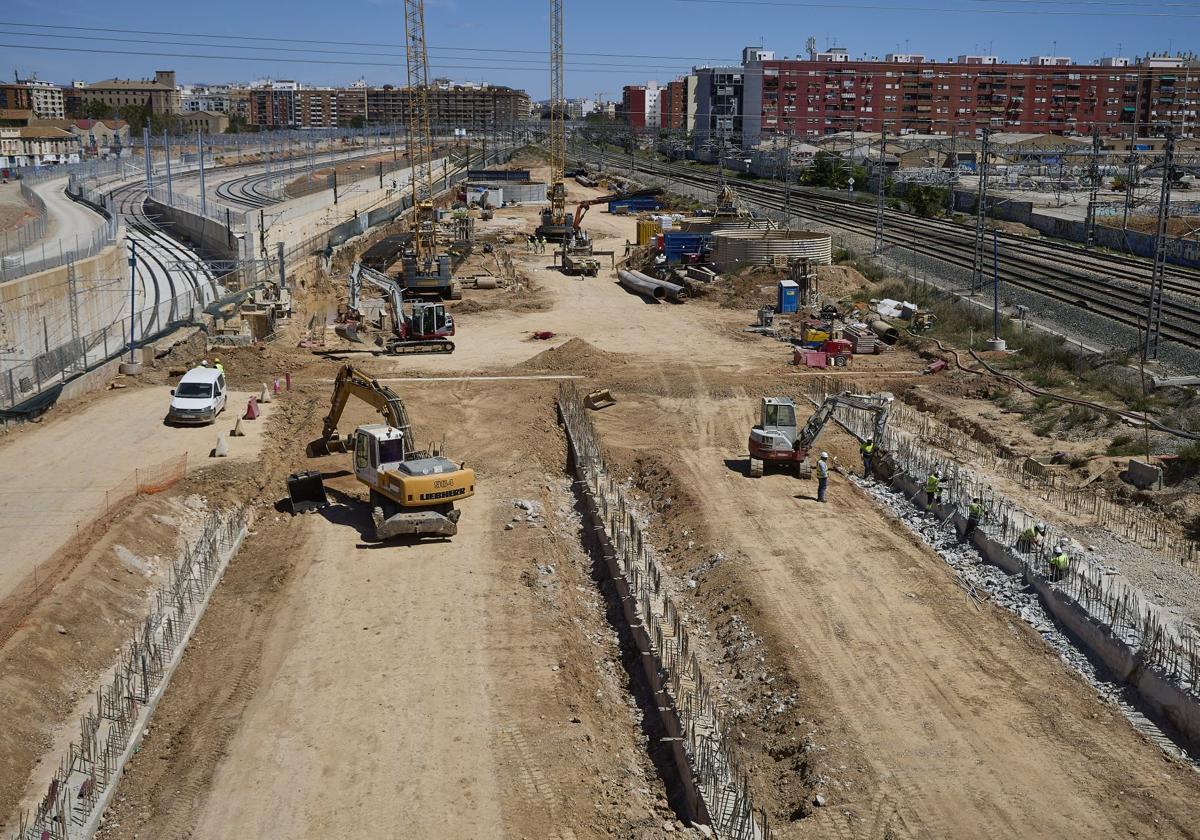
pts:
pixel 575 356
pixel 837 281
pixel 749 288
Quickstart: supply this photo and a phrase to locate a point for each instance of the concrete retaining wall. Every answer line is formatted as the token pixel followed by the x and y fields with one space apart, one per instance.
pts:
pixel 211 238
pixel 35 310
pixel 1158 696
pixel 1184 252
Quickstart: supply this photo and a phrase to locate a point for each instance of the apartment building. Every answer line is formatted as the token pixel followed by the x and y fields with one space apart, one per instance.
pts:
pixel 44 99
pixel 640 105
pixel 830 93
pixel 473 107
pixel 673 105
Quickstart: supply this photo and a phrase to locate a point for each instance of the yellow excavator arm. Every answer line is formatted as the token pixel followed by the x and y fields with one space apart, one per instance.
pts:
pixel 352 383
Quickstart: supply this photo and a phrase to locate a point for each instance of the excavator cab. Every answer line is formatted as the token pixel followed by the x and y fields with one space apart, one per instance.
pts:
pixel 773 440
pixel 430 320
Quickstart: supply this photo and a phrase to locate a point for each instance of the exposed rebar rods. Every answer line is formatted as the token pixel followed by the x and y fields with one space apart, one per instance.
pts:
pixel 720 783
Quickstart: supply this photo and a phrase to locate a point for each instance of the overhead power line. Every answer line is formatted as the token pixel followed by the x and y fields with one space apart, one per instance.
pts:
pixel 623 69
pixel 1140 11
pixel 309 51
pixel 326 42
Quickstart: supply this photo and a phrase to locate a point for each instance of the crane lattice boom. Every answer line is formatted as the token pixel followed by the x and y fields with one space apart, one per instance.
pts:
pixel 558 127
pixel 420 136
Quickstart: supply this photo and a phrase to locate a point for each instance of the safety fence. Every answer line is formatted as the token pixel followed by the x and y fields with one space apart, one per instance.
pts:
pixel 29 231
pixel 110 732
pixel 21 382
pixel 40 256
pixel 17 606
pixel 722 787
pixel 1144 527
pixel 1170 647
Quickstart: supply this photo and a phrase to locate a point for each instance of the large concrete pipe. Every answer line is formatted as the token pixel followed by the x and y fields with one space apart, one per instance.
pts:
pixel 641 284
pixel 487 282
pixel 886 332
pixel 674 291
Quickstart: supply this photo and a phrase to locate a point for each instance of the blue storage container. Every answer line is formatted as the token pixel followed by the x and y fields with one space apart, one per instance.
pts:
pixel 635 204
pixel 677 244
pixel 789 297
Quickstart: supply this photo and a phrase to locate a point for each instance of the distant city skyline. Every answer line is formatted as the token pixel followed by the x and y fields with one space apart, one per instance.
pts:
pixel 608 45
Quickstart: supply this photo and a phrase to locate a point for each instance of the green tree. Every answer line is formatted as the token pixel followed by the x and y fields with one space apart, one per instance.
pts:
pixel 237 124
pixel 926 200
pixel 138 117
pixel 95 109
pixel 358 121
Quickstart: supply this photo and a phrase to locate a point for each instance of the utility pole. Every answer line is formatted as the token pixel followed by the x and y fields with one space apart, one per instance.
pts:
pixel 1090 225
pixel 132 293
pixel 997 343
pixel 1130 178
pixel 880 187
pixel 1154 313
pixel 200 152
pixel 149 159
pixel 167 152
pixel 980 215
pixel 954 174
pixel 787 183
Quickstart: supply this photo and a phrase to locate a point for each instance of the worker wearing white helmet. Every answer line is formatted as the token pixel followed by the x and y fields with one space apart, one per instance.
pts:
pixel 822 476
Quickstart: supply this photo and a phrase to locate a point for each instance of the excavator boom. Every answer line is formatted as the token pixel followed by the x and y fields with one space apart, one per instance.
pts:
pixel 351 383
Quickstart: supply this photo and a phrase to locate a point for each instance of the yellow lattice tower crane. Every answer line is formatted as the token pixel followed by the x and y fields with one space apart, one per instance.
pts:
pixel 425 270
pixel 555 225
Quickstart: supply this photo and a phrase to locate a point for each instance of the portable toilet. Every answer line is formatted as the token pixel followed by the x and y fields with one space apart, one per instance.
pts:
pixel 789 297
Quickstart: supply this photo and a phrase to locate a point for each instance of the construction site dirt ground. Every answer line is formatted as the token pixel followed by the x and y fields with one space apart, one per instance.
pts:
pixel 475 688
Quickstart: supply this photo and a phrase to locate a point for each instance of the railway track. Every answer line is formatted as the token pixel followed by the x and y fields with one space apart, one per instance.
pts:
pixel 1068 275
pixel 166 269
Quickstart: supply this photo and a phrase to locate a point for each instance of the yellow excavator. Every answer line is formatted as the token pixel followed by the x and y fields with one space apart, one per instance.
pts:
pixel 412 491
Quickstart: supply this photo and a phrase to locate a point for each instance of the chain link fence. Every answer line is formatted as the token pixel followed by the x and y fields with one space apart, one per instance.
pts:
pixel 31 230
pixel 23 381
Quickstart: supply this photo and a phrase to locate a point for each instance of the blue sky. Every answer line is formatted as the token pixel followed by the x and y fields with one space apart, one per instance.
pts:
pixel 465 36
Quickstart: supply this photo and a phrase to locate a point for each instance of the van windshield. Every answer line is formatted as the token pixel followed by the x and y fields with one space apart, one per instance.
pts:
pixel 194 390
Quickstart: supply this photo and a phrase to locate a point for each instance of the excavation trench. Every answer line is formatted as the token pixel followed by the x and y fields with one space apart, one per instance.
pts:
pixel 679 714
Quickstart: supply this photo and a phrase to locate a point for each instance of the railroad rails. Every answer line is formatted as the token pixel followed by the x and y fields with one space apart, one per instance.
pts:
pixel 1059 271
pixel 166 269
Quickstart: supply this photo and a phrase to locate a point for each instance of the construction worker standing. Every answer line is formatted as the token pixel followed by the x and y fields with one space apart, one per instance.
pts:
pixel 1060 562
pixel 217 364
pixel 933 490
pixel 541 245
pixel 974 514
pixel 868 454
pixel 822 476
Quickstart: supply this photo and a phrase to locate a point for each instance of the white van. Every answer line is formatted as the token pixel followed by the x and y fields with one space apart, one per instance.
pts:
pixel 199 397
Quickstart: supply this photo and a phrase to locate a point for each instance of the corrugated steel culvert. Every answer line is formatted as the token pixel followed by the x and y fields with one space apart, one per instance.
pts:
pixel 762 247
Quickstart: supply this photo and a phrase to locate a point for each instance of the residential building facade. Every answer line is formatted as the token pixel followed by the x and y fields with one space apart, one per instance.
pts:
pixel 907 93
pixel 476 108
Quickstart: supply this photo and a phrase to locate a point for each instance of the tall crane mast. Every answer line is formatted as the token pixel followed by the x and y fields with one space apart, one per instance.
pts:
pixel 555 225
pixel 424 269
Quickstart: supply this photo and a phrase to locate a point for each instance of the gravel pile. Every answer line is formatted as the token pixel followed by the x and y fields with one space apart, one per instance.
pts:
pixel 983 581
pixel 1170 585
